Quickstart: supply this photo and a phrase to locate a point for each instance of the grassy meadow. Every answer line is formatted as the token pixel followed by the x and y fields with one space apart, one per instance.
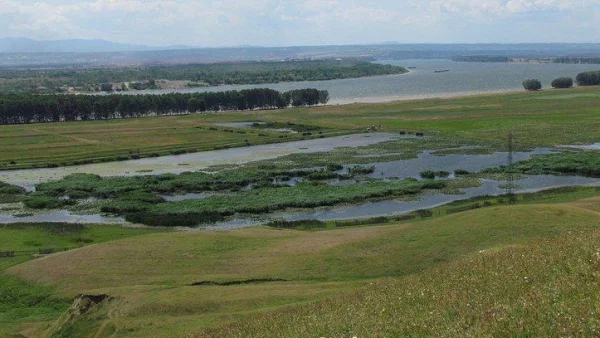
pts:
pixel 545 118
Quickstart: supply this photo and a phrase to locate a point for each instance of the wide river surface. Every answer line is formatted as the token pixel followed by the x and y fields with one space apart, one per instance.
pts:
pixel 423 82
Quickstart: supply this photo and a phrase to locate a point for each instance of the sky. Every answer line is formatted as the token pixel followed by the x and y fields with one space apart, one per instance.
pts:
pixel 207 23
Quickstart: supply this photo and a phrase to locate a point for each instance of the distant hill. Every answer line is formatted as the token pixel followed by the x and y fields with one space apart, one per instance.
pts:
pixel 20 52
pixel 24 45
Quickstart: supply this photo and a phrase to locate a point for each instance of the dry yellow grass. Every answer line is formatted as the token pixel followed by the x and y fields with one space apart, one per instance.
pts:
pixel 588 203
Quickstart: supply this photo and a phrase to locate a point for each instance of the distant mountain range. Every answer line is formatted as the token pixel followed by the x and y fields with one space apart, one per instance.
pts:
pixel 22 52
pixel 24 45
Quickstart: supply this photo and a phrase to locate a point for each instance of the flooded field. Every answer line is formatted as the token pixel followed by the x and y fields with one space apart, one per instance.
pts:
pixel 196 161
pixel 429 161
pixel 250 125
pixel 393 170
pixel 394 207
pixel 59 216
pixel 595 146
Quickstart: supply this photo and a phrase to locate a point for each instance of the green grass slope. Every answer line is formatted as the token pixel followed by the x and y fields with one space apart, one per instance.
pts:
pixel 151 275
pixel 549 288
pixel 336 255
pixel 29 307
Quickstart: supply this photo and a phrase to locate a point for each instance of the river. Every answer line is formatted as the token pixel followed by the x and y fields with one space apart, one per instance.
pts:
pixel 463 78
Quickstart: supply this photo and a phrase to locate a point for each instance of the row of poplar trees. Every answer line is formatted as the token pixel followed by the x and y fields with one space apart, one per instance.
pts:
pixel 26 108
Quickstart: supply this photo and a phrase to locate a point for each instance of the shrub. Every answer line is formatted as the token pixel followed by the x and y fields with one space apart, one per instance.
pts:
pixel 306 224
pixel 532 84
pixel 358 170
pixel 10 189
pixel 434 185
pixel 461 172
pixel 37 201
pixel 562 82
pixel 443 173
pixel 322 175
pixel 334 167
pixel 428 174
pixel 588 78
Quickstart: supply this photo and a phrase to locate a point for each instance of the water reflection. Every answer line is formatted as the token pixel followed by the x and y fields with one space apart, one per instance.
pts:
pixel 60 216
pixel 394 207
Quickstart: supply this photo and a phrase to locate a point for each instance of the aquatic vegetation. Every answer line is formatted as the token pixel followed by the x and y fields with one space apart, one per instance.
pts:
pixel 263 200
pixel 461 172
pixel 585 163
pixel 358 170
pixel 10 193
pixel 40 201
pixel 430 174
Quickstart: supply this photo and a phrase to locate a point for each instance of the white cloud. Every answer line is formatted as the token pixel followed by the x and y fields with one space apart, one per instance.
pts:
pixel 267 22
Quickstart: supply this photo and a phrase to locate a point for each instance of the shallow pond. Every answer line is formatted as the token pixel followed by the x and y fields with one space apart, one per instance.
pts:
pixel 250 125
pixel 429 161
pixel 595 146
pixel 60 216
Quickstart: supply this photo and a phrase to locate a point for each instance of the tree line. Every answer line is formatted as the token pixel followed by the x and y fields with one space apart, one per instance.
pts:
pixel 46 81
pixel 578 60
pixel 591 78
pixel 480 58
pixel 28 108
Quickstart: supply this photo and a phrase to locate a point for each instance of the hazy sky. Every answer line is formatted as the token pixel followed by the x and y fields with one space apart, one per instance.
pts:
pixel 302 22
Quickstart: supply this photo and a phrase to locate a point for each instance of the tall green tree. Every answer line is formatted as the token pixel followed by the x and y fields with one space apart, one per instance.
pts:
pixel 532 84
pixel 562 82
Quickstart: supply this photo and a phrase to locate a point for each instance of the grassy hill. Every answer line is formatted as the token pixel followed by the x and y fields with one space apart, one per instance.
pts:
pixel 548 288
pixel 274 276
pixel 29 306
